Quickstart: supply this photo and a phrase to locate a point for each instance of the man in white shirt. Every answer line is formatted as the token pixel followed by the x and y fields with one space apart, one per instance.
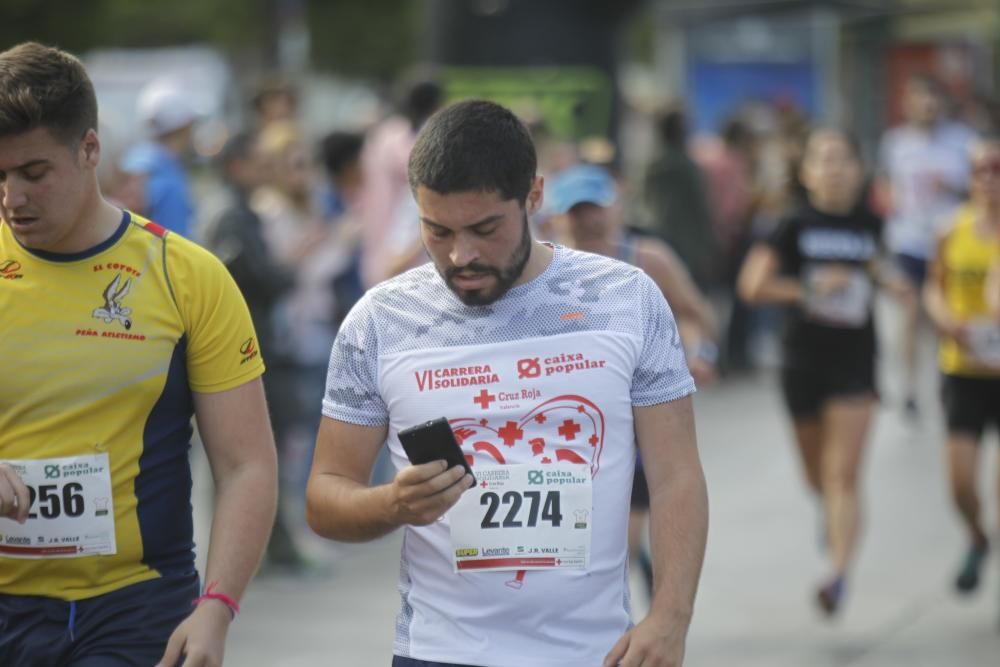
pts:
pixel 925 171
pixel 553 368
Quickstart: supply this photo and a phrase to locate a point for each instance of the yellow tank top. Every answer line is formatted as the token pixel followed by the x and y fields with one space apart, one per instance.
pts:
pixel 966 259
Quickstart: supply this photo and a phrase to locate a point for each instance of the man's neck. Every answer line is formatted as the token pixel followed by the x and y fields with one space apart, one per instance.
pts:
pixel 538 261
pixel 99 224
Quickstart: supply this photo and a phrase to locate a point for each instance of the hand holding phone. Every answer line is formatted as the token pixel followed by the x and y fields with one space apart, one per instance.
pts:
pixel 433 441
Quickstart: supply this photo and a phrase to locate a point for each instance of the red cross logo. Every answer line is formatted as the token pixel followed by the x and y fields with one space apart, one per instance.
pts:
pixel 510 433
pixel 483 484
pixel 484 399
pixel 569 429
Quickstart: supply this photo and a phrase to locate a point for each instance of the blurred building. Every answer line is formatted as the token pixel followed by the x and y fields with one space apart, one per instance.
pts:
pixel 837 61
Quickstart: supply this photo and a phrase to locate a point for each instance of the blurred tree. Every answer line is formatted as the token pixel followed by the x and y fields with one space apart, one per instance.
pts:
pixel 373 38
pixel 238 27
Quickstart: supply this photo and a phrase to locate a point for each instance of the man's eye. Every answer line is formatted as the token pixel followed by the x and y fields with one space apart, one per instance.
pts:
pixel 485 231
pixel 438 232
pixel 35 175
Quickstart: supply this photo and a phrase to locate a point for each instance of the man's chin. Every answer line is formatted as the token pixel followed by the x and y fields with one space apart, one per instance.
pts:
pixel 475 297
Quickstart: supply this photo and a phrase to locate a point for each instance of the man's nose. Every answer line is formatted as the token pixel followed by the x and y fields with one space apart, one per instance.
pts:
pixel 14 195
pixel 464 251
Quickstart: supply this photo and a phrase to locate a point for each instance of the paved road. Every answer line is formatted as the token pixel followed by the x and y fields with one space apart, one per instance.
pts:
pixel 755 603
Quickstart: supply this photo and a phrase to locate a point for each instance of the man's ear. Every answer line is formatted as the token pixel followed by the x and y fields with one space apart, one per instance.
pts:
pixel 535 195
pixel 90 148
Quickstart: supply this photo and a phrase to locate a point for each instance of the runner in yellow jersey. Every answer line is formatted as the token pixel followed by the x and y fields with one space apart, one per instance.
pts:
pixel 113 333
pixel 956 299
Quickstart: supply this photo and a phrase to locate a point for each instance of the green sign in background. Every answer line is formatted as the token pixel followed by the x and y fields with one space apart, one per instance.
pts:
pixel 573 102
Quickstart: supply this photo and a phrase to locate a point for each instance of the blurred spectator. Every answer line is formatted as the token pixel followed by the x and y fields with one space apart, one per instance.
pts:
pixel 340 153
pixel 276 100
pixel 924 176
pixel 318 251
pixel 676 195
pixel 237 239
pixel 285 200
pixel 728 164
pixel 390 240
pixel 237 236
pixel 169 116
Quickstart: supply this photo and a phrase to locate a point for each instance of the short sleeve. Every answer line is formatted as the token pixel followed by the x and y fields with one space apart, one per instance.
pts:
pixel 222 350
pixel 661 373
pixel 352 393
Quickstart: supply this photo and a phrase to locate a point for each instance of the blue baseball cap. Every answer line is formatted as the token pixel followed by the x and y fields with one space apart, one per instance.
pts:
pixel 581 184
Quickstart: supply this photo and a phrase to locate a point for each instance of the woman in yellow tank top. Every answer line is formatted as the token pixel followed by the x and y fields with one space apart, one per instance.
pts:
pixel 963 301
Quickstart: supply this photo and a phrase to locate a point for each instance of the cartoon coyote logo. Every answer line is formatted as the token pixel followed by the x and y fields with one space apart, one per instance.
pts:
pixel 113 309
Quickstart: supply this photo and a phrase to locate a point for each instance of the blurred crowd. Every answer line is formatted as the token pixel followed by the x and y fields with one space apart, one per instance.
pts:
pixel 306 223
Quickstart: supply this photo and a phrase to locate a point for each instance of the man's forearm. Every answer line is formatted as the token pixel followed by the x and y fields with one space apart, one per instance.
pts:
pixel 339 508
pixel 678 533
pixel 245 503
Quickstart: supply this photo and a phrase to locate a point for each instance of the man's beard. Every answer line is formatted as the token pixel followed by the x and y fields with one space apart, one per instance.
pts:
pixel 505 276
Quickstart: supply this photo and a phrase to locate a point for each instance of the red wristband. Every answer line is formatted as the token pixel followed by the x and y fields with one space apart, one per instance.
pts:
pixel 209 594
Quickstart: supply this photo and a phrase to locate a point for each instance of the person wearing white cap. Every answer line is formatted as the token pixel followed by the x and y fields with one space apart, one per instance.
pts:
pixel 169 116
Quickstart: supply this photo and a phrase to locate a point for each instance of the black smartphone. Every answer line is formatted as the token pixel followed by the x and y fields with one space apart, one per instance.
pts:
pixel 433 441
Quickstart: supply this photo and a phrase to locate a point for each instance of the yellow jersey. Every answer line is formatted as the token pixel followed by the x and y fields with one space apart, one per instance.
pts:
pixel 101 352
pixel 966 259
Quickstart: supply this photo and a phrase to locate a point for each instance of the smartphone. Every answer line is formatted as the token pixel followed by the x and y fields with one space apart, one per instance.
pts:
pixel 433 441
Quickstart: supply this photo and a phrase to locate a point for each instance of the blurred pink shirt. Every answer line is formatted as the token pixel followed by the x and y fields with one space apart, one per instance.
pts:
pixel 384 189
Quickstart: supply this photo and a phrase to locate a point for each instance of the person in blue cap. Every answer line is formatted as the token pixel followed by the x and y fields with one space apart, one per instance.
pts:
pixel 584 198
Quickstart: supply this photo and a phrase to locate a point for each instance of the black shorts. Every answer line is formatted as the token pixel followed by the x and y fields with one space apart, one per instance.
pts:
pixel 970 404
pixel 400 661
pixel 914 268
pixel 807 390
pixel 128 627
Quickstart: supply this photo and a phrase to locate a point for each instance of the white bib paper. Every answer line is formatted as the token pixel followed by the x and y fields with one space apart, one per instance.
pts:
pixel 848 307
pixel 524 517
pixel 984 341
pixel 72 513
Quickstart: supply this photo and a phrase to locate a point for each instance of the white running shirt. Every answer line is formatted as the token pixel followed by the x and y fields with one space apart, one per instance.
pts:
pixel 915 161
pixel 550 372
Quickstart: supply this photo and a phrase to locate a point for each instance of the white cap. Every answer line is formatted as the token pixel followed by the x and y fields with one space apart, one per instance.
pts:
pixel 164 107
